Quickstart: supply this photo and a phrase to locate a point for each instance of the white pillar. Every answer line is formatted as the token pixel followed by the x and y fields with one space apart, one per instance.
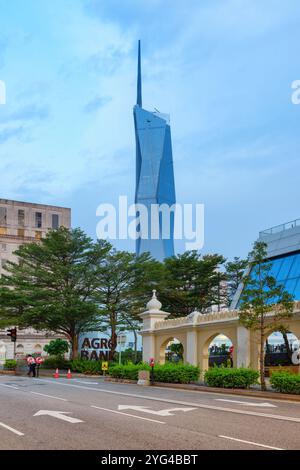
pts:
pixel 150 317
pixel 148 347
pixel 191 348
pixel 243 347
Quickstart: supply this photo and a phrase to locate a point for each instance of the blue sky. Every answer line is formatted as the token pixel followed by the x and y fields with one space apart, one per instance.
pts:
pixel 223 70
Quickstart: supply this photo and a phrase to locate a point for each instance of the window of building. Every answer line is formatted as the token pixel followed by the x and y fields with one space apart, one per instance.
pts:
pixel 21 217
pixel 38 219
pixel 3 230
pixel 21 232
pixel 55 221
pixel 3 263
pixel 3 246
pixel 3 216
pixel 38 235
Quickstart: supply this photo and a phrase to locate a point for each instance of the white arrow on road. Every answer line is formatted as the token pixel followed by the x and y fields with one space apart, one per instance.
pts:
pixel 145 409
pixel 60 415
pixel 246 403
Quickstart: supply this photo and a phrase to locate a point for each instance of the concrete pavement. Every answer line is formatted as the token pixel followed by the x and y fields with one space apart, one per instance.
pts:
pixel 91 414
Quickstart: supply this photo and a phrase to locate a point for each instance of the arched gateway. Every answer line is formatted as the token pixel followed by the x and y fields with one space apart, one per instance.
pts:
pixel 196 332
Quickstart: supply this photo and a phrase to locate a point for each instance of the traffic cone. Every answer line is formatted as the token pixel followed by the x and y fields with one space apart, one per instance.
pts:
pixel 69 375
pixel 56 375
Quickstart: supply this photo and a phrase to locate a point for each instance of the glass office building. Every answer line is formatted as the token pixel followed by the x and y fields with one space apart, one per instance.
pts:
pixel 283 249
pixel 154 177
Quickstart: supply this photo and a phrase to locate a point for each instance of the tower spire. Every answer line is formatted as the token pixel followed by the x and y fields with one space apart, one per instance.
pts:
pixel 139 79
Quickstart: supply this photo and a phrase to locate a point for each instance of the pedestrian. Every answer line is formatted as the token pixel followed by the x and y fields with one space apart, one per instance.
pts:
pixel 31 364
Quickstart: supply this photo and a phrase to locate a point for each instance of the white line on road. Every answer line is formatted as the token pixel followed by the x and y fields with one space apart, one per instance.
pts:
pixel 10 386
pixel 247 403
pixel 127 414
pixel 250 442
pixel 49 396
pixel 179 402
pixel 87 383
pixel 18 433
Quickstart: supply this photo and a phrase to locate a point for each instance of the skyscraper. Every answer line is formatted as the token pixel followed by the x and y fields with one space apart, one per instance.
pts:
pixel 154 176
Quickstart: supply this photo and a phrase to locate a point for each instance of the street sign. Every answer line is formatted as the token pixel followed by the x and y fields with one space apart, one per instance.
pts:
pixel 104 365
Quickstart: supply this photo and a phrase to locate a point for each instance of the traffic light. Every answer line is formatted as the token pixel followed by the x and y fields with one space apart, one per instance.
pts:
pixel 13 334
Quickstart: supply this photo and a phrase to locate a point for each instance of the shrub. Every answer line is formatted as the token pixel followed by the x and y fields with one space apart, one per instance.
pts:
pixel 231 377
pixel 57 347
pixel 129 371
pixel 169 373
pixel 285 382
pixel 176 373
pixel 10 364
pixel 56 362
pixel 84 366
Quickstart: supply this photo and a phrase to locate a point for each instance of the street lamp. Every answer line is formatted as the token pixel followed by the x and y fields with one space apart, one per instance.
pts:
pixel 121 341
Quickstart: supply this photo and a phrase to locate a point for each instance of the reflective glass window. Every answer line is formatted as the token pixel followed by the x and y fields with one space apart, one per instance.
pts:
pixel 295 269
pixel 297 290
pixel 285 268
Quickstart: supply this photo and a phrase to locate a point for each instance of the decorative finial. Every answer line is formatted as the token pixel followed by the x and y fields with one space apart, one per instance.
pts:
pixel 154 303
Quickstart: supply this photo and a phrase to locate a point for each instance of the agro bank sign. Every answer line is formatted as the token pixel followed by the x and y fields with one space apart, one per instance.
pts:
pixel 95 347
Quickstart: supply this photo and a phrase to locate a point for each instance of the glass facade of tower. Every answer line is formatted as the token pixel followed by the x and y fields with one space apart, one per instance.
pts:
pixel 286 270
pixel 154 178
pixel 283 254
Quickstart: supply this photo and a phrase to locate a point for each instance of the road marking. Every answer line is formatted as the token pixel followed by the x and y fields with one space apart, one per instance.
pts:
pixel 87 383
pixel 250 442
pixel 179 402
pixel 127 414
pixel 145 409
pixel 10 386
pixel 247 403
pixel 59 415
pixel 18 433
pixel 49 396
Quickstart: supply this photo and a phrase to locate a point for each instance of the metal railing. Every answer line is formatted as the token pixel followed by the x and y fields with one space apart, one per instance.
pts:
pixel 280 228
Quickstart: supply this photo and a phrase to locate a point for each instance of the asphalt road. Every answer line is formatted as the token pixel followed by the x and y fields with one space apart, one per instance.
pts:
pixel 91 414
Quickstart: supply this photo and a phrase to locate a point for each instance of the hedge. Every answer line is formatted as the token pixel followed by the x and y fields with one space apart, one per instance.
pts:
pixel 56 362
pixel 231 377
pixel 169 373
pixel 10 364
pixel 85 366
pixel 285 382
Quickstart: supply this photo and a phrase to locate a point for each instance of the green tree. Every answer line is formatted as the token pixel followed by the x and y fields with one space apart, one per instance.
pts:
pixel 264 303
pixel 125 282
pixel 51 287
pixel 57 347
pixel 235 271
pixel 177 349
pixel 191 282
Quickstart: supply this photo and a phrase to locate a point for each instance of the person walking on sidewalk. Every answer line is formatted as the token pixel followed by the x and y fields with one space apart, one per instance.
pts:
pixel 31 364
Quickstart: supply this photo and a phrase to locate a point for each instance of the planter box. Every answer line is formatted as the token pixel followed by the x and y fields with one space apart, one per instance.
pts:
pixel 7 372
pixel 292 369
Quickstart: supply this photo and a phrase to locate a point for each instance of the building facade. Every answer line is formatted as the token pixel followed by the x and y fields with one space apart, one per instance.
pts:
pixel 22 222
pixel 154 178
pixel 283 252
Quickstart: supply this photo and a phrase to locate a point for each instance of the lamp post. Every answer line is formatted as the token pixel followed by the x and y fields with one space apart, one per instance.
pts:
pixel 121 341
